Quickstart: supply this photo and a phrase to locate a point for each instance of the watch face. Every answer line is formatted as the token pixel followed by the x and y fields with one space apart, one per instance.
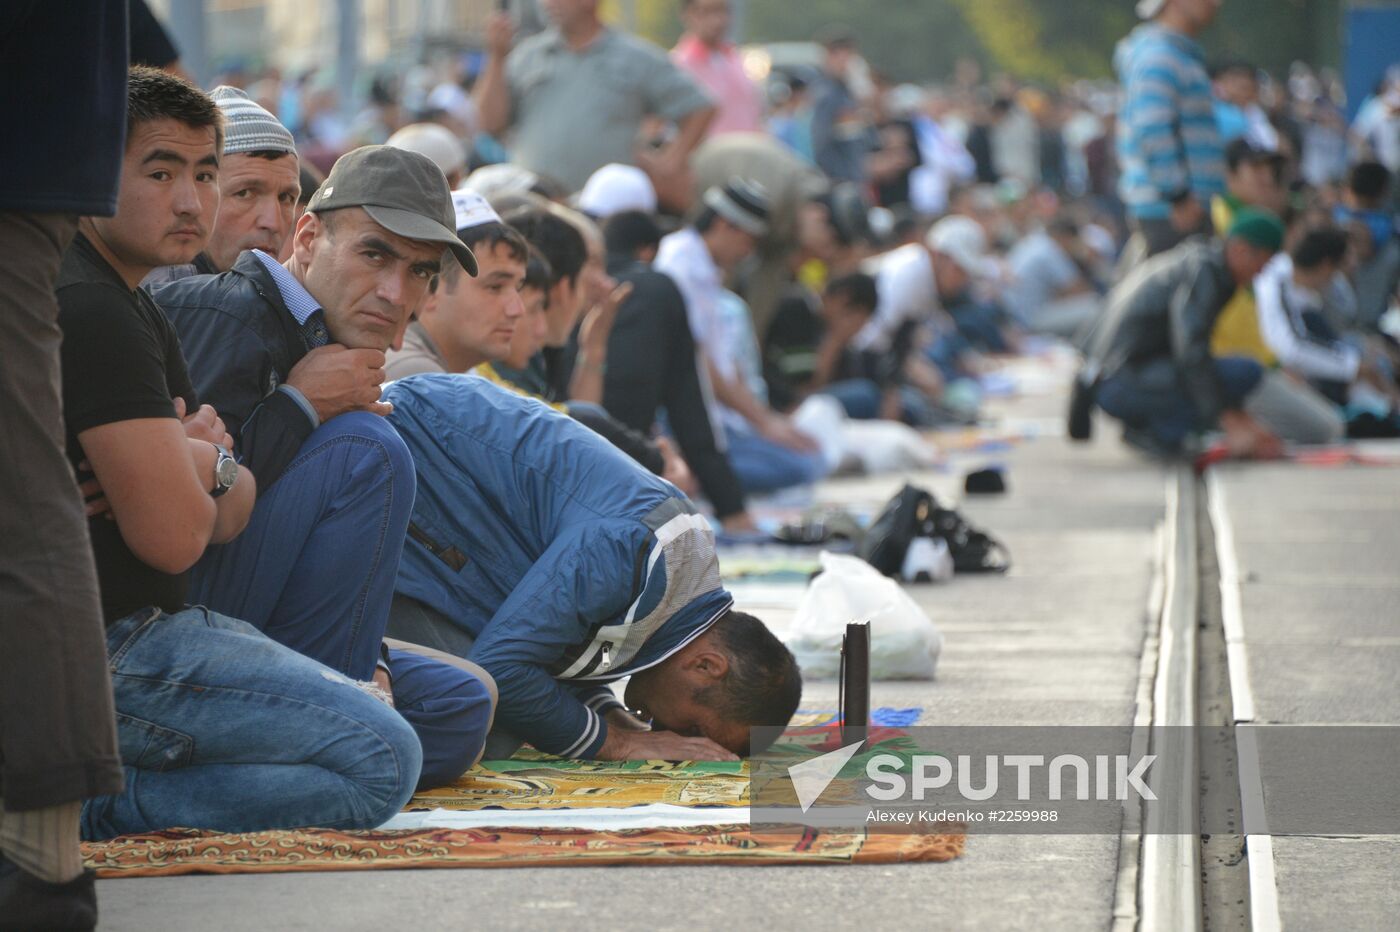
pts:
pixel 226 472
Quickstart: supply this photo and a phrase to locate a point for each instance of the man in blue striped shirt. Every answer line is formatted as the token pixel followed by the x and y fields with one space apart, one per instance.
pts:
pixel 1168 139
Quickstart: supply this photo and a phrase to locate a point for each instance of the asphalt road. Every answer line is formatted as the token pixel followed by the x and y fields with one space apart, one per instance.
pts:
pixel 1316 552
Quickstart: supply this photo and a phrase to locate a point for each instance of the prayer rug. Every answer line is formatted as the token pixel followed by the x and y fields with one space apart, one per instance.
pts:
pixel 186 851
pixel 532 781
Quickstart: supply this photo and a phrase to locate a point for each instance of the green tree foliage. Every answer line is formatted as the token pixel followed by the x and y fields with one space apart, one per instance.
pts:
pixel 1040 40
pixel 909 40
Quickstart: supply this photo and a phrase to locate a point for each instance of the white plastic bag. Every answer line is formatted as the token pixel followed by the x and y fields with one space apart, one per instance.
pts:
pixel 904 644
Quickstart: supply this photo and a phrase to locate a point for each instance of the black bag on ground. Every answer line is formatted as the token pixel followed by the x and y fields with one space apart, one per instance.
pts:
pixel 904 517
pixel 914 513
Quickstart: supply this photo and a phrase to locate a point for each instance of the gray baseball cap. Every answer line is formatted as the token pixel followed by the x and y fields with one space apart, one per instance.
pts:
pixel 402 191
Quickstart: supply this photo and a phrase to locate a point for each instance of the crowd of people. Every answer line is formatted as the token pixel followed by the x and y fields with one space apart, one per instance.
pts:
pixel 390 435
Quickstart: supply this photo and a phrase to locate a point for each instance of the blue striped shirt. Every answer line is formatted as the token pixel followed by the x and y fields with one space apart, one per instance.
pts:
pixel 308 314
pixel 1168 137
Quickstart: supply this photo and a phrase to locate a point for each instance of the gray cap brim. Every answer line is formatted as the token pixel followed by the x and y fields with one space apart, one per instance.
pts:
pixel 414 226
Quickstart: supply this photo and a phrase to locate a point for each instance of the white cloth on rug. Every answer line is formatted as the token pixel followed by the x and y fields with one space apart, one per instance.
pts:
pixel 653 815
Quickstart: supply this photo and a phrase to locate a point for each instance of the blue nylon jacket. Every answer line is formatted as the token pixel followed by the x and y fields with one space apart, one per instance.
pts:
pixel 568 563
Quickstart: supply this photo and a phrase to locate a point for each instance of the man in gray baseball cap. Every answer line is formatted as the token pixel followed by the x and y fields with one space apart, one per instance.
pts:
pixel 291 355
pixel 402 191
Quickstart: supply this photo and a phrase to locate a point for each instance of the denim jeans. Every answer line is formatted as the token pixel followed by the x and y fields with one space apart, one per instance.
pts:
pixel 765 466
pixel 450 709
pixel 411 620
pixel 222 728
pixel 315 570
pixel 1152 396
pixel 862 398
pixel 315 567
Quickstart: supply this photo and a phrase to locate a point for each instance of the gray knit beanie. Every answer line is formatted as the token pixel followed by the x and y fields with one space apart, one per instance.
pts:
pixel 247 126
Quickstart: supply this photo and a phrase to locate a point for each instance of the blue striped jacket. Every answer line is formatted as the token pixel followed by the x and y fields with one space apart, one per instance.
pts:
pixel 569 564
pixel 1168 137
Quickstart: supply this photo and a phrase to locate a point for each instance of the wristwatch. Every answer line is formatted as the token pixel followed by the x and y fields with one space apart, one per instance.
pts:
pixel 225 472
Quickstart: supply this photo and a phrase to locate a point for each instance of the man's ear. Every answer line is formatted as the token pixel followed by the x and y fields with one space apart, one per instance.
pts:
pixel 558 296
pixel 708 663
pixel 428 304
pixel 304 237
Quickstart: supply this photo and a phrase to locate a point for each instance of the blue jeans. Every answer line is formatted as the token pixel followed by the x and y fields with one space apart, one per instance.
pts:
pixel 1153 397
pixel 315 570
pixel 315 567
pixel 859 397
pixel 765 466
pixel 862 399
pixel 450 711
pixel 980 325
pixel 222 728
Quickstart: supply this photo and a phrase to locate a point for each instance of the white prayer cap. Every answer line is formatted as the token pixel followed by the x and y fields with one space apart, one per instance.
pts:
pixel 616 188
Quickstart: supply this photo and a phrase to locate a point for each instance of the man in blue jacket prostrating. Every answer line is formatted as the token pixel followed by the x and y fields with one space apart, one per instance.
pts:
pixel 550 559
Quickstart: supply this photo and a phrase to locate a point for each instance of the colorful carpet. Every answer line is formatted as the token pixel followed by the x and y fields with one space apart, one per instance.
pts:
pixel 185 851
pixel 536 782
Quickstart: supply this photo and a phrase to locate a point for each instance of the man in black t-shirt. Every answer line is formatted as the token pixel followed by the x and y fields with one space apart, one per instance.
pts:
pixel 220 727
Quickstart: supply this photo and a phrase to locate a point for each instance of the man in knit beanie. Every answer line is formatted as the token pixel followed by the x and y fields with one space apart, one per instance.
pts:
pixel 259 182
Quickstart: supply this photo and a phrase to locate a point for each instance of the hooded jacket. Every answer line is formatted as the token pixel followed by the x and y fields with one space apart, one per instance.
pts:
pixel 569 564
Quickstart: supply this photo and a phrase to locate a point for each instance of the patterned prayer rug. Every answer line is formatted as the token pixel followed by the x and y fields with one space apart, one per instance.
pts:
pixel 535 781
pixel 185 851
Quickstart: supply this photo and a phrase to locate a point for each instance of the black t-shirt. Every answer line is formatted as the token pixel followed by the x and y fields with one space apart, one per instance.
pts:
pixel 121 362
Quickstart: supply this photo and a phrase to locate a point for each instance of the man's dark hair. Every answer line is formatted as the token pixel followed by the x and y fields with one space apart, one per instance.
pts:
pixel 705 219
pixel 836 37
pixel 1233 66
pixel 1063 223
pixel 1368 181
pixel 538 274
pixel 857 289
pixel 629 232
pixel 556 238
pixel 270 155
pixel 311 180
pixel 484 238
pixel 1319 245
pixel 152 94
pixel 1239 151
pixel 764 685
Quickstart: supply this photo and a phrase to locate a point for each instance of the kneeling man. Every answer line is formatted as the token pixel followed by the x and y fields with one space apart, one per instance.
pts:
pixel 543 554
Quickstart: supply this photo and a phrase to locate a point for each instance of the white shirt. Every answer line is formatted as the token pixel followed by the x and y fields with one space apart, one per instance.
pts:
pixel 1376 124
pixel 943 162
pixel 907 292
pixel 1040 271
pixel 684 256
pixel 1280 303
